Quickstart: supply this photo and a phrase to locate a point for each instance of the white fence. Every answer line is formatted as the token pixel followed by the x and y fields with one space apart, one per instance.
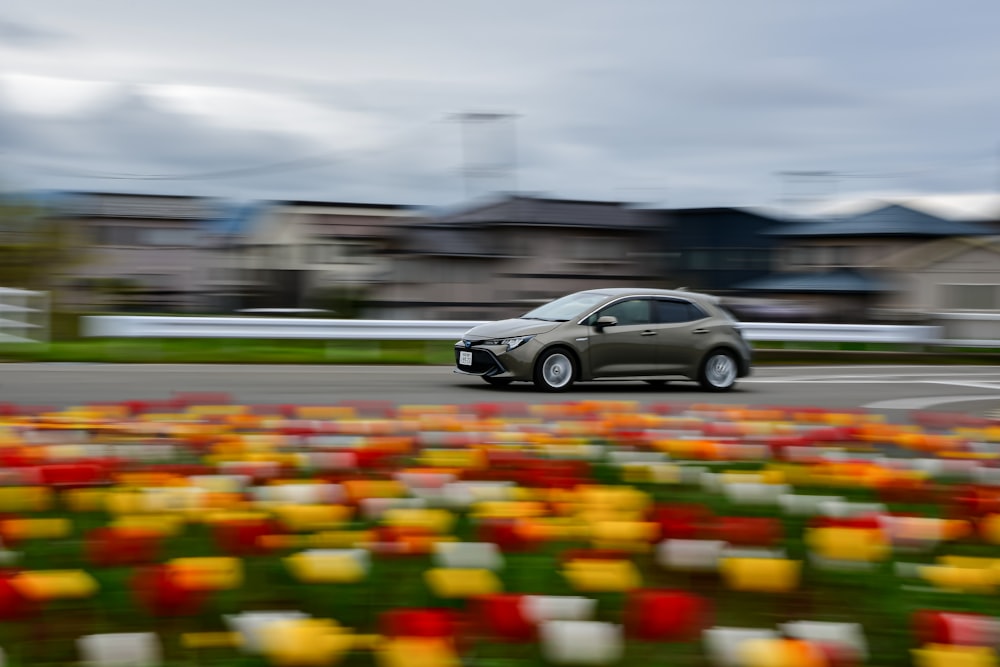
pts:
pixel 24 316
pixel 113 326
pixel 326 329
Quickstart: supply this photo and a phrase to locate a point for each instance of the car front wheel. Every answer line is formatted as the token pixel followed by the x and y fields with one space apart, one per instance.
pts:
pixel 718 371
pixel 555 370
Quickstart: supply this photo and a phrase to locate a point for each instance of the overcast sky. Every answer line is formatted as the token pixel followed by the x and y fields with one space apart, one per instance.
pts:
pixel 684 103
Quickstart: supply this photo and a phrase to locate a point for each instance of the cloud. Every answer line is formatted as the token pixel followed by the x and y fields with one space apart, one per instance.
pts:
pixel 697 103
pixel 44 95
pixel 131 133
pixel 23 35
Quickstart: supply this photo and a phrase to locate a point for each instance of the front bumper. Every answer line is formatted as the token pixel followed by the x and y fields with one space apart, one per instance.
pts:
pixel 497 361
pixel 483 361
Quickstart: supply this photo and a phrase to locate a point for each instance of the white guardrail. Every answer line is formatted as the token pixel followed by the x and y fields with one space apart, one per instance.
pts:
pixel 113 326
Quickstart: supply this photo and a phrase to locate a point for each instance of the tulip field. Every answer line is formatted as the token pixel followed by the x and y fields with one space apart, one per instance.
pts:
pixel 196 531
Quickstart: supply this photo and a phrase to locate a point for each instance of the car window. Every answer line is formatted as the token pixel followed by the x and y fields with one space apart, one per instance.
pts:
pixel 674 312
pixel 566 308
pixel 630 311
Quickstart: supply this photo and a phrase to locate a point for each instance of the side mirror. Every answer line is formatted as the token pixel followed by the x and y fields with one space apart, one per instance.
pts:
pixel 606 321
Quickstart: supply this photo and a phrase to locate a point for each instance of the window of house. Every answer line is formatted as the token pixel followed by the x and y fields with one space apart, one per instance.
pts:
pixel 592 248
pixel 970 297
pixel 169 237
pixel 843 255
pixel 117 235
pixel 761 259
pixel 318 253
pixel 802 255
pixel 699 260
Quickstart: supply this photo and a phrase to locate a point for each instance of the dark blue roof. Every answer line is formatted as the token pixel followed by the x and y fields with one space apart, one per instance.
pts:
pixel 891 220
pixel 551 212
pixel 843 281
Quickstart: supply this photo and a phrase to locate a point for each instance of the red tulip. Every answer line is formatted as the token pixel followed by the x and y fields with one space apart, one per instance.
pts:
pixel 157 588
pixel 242 537
pixel 747 531
pixel 502 617
pixel 109 547
pixel 420 623
pixel 966 629
pixel 13 605
pixel 664 615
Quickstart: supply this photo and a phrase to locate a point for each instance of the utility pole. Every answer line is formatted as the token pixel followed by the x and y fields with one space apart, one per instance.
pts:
pixel 489 152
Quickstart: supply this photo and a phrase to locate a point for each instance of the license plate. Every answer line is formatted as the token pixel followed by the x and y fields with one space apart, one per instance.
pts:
pixel 464 358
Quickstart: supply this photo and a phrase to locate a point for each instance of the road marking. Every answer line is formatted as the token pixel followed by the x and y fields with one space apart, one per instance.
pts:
pixel 959 383
pixel 870 377
pixel 925 402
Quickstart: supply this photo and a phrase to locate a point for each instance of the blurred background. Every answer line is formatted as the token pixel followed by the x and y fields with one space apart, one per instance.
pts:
pixel 469 162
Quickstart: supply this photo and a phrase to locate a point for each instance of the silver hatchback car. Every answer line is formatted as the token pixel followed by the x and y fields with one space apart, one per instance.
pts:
pixel 635 334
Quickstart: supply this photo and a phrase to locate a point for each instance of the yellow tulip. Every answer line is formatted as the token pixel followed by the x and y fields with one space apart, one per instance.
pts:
pixel 761 575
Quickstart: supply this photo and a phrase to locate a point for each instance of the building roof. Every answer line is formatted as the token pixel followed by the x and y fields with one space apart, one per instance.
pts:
pixel 445 240
pixel 890 220
pixel 845 281
pixel 335 204
pixel 547 212
pixel 964 206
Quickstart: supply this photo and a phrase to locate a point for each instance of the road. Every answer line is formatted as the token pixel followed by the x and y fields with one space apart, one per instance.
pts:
pixel 971 389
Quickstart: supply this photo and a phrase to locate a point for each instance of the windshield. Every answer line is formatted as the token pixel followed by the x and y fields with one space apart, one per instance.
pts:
pixel 566 308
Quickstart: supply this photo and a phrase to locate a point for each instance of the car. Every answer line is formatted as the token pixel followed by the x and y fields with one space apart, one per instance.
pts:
pixel 611 334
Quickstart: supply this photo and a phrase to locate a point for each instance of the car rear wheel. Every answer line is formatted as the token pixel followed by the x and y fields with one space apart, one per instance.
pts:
pixel 555 370
pixel 497 382
pixel 718 371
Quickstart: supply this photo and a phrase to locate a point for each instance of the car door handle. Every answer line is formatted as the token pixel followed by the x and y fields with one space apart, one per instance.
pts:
pixel 648 333
pixel 700 331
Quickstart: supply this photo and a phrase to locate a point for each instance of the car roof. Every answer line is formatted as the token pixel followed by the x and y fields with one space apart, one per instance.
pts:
pixel 636 291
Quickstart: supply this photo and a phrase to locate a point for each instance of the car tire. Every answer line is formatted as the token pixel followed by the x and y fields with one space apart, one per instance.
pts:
pixel 555 370
pixel 718 371
pixel 497 382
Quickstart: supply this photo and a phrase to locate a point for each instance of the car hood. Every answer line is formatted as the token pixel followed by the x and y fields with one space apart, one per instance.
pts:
pixel 509 328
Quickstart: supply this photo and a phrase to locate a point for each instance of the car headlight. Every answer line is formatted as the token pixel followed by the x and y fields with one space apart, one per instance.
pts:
pixel 511 343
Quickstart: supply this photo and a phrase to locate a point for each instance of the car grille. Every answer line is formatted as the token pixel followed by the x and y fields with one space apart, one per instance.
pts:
pixel 482 362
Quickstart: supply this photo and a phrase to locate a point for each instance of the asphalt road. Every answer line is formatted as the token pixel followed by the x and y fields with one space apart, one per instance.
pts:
pixel 970 389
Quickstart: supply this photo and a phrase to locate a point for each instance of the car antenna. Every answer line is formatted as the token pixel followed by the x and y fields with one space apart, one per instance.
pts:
pixel 682 289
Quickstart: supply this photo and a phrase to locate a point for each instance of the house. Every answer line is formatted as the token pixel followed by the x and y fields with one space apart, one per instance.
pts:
pixel 137 252
pixel 715 249
pixel 500 257
pixel 228 282
pixel 304 254
pixel 845 265
pixel 954 280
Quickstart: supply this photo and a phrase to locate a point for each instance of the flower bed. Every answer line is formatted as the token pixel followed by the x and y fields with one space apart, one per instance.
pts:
pixel 196 531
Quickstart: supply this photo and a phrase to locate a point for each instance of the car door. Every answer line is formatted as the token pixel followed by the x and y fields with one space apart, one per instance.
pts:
pixel 683 330
pixel 629 348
